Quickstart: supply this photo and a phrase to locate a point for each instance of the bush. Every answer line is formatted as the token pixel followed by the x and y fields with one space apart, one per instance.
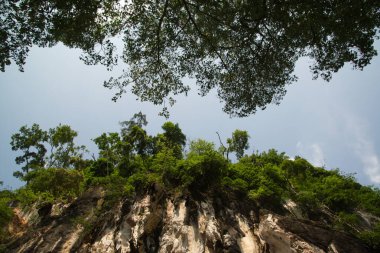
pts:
pixel 261 194
pixel 26 196
pixel 372 238
pixel 237 184
pixel 101 168
pixel 270 157
pixel 59 183
pixel 308 200
pixel 202 171
pixel 369 199
pixel 128 166
pixel 6 212
pixel 346 222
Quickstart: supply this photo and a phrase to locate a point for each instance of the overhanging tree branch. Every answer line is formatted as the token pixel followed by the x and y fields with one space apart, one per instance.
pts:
pixel 203 35
pixel 159 28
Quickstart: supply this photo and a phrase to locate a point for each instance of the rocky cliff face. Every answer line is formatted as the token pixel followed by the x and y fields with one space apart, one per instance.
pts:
pixel 158 222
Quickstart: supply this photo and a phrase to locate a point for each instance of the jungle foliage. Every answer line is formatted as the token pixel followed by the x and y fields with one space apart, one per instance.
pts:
pixel 129 162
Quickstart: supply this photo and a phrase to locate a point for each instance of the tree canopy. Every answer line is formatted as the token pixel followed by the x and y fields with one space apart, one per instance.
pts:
pixel 31 141
pixel 246 50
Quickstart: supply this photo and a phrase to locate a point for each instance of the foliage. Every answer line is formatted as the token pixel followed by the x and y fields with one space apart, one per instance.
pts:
pixel 108 145
pixel 131 162
pixel 134 137
pixel 26 196
pixel 265 183
pixel 200 147
pixel 138 119
pixel 368 198
pixel 173 134
pixel 372 238
pixel 247 50
pixel 6 213
pixel 172 138
pixel 238 142
pixel 101 168
pixel 127 167
pixel 271 156
pixel 30 142
pixel 59 183
pixel 62 147
pixel 346 222
pixel 204 171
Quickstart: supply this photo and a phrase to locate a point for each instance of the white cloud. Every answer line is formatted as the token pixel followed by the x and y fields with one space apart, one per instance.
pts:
pixel 312 152
pixel 363 147
pixel 317 156
pixel 372 167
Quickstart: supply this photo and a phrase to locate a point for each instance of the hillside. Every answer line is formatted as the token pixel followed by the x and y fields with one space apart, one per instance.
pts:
pixel 145 193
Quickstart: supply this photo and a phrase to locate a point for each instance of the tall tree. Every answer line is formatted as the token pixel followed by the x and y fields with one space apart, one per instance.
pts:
pixel 200 147
pixel 29 140
pixel 62 147
pixel 138 119
pixel 109 145
pixel 134 137
pixel 172 138
pixel 173 134
pixel 246 50
pixel 238 142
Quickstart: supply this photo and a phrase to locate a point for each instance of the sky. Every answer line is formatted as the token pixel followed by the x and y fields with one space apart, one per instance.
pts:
pixel 334 124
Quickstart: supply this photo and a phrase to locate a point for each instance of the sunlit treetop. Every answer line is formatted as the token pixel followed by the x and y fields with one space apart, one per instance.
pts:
pixel 246 50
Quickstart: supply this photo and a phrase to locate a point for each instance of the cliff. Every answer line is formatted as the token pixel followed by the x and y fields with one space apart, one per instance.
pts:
pixel 156 221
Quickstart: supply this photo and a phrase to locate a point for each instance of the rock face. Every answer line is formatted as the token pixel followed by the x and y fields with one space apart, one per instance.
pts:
pixel 157 222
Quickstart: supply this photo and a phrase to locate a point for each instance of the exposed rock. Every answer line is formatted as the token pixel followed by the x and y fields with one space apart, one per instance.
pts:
pixel 156 222
pixel 292 208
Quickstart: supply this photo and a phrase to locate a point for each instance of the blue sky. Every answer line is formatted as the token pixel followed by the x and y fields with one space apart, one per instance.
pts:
pixel 331 124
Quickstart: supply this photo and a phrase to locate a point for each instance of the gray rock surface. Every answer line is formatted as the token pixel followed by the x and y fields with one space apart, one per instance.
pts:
pixel 157 222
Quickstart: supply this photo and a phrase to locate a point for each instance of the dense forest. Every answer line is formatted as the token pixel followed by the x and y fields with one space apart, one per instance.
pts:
pixel 129 162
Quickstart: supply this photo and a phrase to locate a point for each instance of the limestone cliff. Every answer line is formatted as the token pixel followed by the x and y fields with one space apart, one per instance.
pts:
pixel 159 222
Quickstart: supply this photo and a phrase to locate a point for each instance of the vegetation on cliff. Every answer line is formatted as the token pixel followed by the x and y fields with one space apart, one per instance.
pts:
pixel 130 161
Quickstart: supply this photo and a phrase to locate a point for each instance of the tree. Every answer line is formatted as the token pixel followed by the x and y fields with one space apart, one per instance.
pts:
pixel 172 138
pixel 238 142
pixel 60 183
pixel 246 50
pixel 138 119
pixel 102 167
pixel 200 147
pixel 30 142
pixel 62 146
pixel 174 134
pixel 134 137
pixel 109 145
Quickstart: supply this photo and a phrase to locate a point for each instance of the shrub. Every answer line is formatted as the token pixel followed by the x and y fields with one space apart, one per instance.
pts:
pixel 128 166
pixel 101 168
pixel 59 183
pixel 237 184
pixel 372 238
pixel 201 171
pixel 6 212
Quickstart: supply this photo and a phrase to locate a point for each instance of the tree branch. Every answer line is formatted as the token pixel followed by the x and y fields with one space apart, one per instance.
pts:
pixel 159 28
pixel 202 35
pixel 225 150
